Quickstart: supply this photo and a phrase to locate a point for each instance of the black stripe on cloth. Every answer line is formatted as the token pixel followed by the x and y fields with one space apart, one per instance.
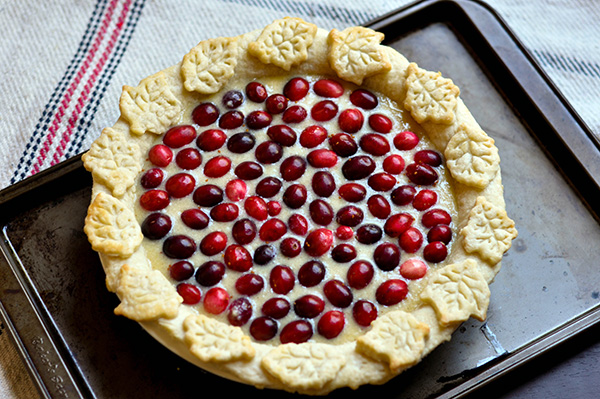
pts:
pixel 568 64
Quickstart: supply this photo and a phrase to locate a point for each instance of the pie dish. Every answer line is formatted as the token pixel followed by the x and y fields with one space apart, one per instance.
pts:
pixel 298 209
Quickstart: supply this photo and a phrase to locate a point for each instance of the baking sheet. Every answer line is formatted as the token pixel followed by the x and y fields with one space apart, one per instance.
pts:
pixel 56 306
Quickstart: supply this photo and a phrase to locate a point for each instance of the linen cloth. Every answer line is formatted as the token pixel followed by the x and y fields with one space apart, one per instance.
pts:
pixel 64 63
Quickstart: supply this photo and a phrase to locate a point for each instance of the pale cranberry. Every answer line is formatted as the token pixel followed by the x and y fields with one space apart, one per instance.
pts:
pixel 429 157
pixel 263 328
pixel 393 164
pixel 380 123
pixel 295 196
pixel 364 313
pixel 343 144
pixel 364 99
pixel 232 99
pixel 179 247
pixel 208 195
pixel 180 185
pixel 190 293
pixel 387 256
pixel 160 155
pixel 217 166
pixel 240 143
pixel 236 190
pixel 322 158
pixel 248 170
pixel 211 140
pixel 410 241
pixel 243 231
pixel 368 234
pixel 213 243
pixel 298 224
pixel 311 273
pixel 294 114
pixel 312 136
pixel 152 178
pixel 413 269
pixel 258 119
pixel 282 134
pixel 268 187
pixel 276 103
pixel 292 168
pixel 256 92
pixel 324 111
pixel 331 324
pixel 205 114
pixel 358 167
pixel 216 300
pixel 156 226
pixel 403 195
pixel 256 207
pixel 182 270
pixel 398 224
pixel 309 306
pixel 231 120
pixel 440 232
pixel 210 273
pixel 360 274
pixel 424 199
pixel 272 230
pixel 188 158
pixel 421 174
pixel 374 144
pixel 239 312
pixel 350 120
pixel 321 212
pixel 195 219
pixel 344 232
pixel 382 181
pixel 282 279
pixel 264 254
pixel 268 152
pixel 318 242
pixel 179 136
pixel 237 258
pixel 328 88
pixel 274 208
pixel 352 192
pixel 406 141
pixel 276 308
pixel 379 206
pixel 349 216
pixel 154 200
pixel 337 293
pixel 249 284
pixel 434 217
pixel 225 212
pixel 435 252
pixel 290 247
pixel 297 332
pixel 391 292
pixel 343 253
pixel 296 89
pixel 323 184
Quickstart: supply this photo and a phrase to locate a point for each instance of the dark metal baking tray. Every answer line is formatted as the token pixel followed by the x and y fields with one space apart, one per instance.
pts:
pixel 55 305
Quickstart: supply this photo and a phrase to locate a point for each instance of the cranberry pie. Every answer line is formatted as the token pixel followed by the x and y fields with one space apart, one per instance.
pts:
pixel 298 209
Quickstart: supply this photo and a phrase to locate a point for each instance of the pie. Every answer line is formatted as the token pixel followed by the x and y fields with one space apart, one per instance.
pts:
pixel 298 209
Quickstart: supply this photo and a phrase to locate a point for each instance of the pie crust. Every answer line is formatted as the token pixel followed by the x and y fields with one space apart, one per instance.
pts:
pixel 453 291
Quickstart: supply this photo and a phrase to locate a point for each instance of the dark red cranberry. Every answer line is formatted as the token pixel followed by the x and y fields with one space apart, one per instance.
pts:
pixel 213 243
pixel 248 170
pixel 217 166
pixel 264 254
pixel 374 144
pixel 309 306
pixel 179 136
pixel 188 158
pixel 369 234
pixel 205 114
pixel 398 224
pixel 210 273
pixel 295 196
pixel 331 324
pixel 274 208
pixel 311 273
pixel 160 155
pixel 358 167
pixel 321 212
pixel 233 99
pixel 297 332
pixel 211 140
pixel 322 158
pixel 379 206
pixel 152 178
pixel 263 328
pixel 312 136
pixel 292 168
pixel 424 199
pixel 182 270
pixel 154 200
pixel 296 89
pixel 351 120
pixel 324 111
pixel 239 312
pixel 406 141
pixel 249 284
pixel 318 242
pixel 352 192
pixel 360 274
pixel 256 92
pixel 387 256
pixel 231 120
pixel 272 230
pixel 343 253
pixel 393 164
pixel 434 217
pixel 258 119
pixel 282 134
pixel 435 252
pixel 364 313
pixel 391 292
pixel 380 123
pixel 298 224
pixel 349 216
pixel 328 88
pixel 344 232
pixel 268 187
pixel 421 174
pixel 382 181
pixel 403 195
pixel 276 308
pixel 156 226
pixel 208 195
pixel 429 157
pixel 363 99
pixel 290 247
pixel 190 293
pixel 440 232
pixel 216 300
pixel 256 207
pixel 410 241
pixel 179 247
pixel 195 219
pixel 240 143
pixel 294 114
pixel 413 269
pixel 268 152
pixel 243 231
pixel 323 184
pixel 236 190
pixel 237 258
pixel 343 144
pixel 276 103
pixel 180 185
pixel 282 279
pixel 338 293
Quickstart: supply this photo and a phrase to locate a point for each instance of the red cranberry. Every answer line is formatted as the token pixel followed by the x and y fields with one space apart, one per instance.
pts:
pixel 248 170
pixel 421 174
pixel 379 206
pixel 403 195
pixel 208 195
pixel 364 313
pixel 210 273
pixel 190 293
pixel 154 200
pixel 276 308
pixel 211 140
pixel 424 199
pixel 256 92
pixel 216 300
pixel 194 218
pixel 225 212
pixel 311 273
pixel 258 119
pixel 276 103
pixel 179 247
pixel 237 258
pixel 240 312
pixel 344 232
pixel 240 143
pixel 309 306
pixel 324 111
pixel 295 196
pixel 294 114
pixel 440 232
pixel 322 158
pixel 272 230
pixel 323 184
pixel 249 284
pixel 328 88
pixel 350 120
pixel 358 167
pixel 264 254
pixel 331 324
pixel 435 252
pixel 338 293
pixel 343 253
pixel 382 181
pixel 290 247
pixel 282 134
pixel 296 89
pixel 297 332
pixel 352 192
pixel 343 144
pixel 363 99
pixel 374 144
pixel 179 136
pixel 180 185
pixel 268 187
pixel 312 136
pixel 406 141
pixel 205 114
pixel 360 274
pixel 243 231
pixel 232 99
pixel 298 224
pixel 318 242
pixel 152 178
pixel 160 155
pixel 368 234
pixel 413 269
pixel 292 168
pixel 429 157
pixel 263 328
pixel 349 216
pixel 321 212
pixel 380 123
pixel 156 226
pixel 434 217
pixel 398 224
pixel 231 120
pixel 188 158
pixel 236 189
pixel 387 256
pixel 391 292
pixel 217 166
pixel 213 243
pixel 182 270
pixel 410 241
pixel 256 207
pixel 393 164
pixel 268 152
pixel 282 279
pixel 274 208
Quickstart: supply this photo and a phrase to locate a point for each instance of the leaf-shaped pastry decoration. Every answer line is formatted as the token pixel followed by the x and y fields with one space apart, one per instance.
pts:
pixel 113 161
pixel 151 106
pixel 397 338
pixel 429 96
pixel 111 227
pixel 489 231
pixel 355 54
pixel 209 65
pixel 146 295
pixel 304 366
pixel 472 157
pixel 457 292
pixel 284 43
pixel 213 341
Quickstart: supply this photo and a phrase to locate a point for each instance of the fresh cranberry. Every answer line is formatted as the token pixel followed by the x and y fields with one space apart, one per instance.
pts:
pixel 349 215
pixel 298 224
pixel 213 243
pixel 343 253
pixel 440 232
pixel 311 273
pixel 364 99
pixel 249 284
pixel 208 195
pixel 343 144
pixel 282 134
pixel 190 293
pixel 387 256
pixel 160 155
pixel 236 189
pixel 263 328
pixel 358 167
pixel 210 273
pixel 152 178
pixel 379 206
pixel 434 217
pixel 268 187
pixel 276 308
pixel 360 274
pixel 292 168
pixel 195 219
pixel 294 114
pixel 429 157
pixel 256 207
pixel 382 181
pixel 237 258
pixel 256 92
pixel 181 271
pixel 216 300
pixel 424 199
pixel 180 185
pixel 188 158
pixel 268 152
pixel 179 247
pixel 225 212
pixel 240 143
pixel 331 324
pixel 154 200
pixel 179 136
pixel 231 120
pixel 403 195
pixel 296 89
pixel 323 184
pixel 264 254
pixel 328 88
pixel 276 103
pixel 297 332
pixel 156 226
pixel 309 306
pixel 435 252
pixel 369 234
pixel 324 111
pixel 391 292
pixel 272 230
pixel 274 208
pixel 393 164
pixel 318 242
pixel 413 269
pixel 232 99
pixel 239 312
pixel 352 192
pixel 205 114
pixel 211 140
pixel 405 141
pixel 364 313
pixel 344 232
pixel 374 144
pixel 312 136
pixel 290 247
pixel 295 196
pixel 410 241
pixel 322 158
pixel 421 174
pixel 320 212
pixel 258 119
pixel 243 231
pixel 398 224
pixel 380 123
pixel 248 170
pixel 338 293
pixel 282 279
pixel 217 166
pixel 351 120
